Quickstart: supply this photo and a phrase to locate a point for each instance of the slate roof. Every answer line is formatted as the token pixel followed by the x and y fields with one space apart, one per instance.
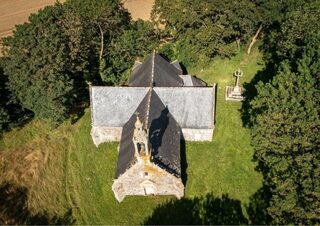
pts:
pixel 190 80
pixel 164 136
pixel 113 106
pixel 156 71
pixel 177 65
pixel 192 107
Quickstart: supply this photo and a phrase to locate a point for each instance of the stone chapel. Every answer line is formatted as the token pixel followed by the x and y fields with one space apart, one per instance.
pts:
pixel 149 117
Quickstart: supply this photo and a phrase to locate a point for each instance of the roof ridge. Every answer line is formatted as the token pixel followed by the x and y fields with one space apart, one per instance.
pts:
pixel 146 123
pixel 152 68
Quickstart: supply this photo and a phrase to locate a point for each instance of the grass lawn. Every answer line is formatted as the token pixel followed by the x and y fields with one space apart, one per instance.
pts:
pixel 221 167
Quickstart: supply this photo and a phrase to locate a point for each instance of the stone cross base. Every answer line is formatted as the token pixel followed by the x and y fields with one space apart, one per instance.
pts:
pixel 234 93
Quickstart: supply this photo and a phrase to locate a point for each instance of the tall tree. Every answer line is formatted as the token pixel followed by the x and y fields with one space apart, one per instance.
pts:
pixel 206 28
pixel 286 137
pixel 38 65
pixel 102 22
pixel 136 42
pixel 51 59
pixel 290 24
pixel 4 117
pixel 114 40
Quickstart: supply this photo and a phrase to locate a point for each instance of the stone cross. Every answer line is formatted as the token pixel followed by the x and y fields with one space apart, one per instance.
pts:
pixel 238 73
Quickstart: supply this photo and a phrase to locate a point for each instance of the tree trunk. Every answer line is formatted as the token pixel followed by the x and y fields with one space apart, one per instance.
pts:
pixel 254 39
pixel 238 43
pixel 101 43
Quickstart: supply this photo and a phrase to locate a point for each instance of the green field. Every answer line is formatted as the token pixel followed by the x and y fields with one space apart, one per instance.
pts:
pixel 77 176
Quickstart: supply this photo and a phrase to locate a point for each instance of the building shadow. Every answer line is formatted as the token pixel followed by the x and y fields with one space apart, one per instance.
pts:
pixel 14 209
pixel 215 104
pixel 203 83
pixel 157 128
pixel 183 159
pixel 183 68
pixel 157 132
pixel 199 210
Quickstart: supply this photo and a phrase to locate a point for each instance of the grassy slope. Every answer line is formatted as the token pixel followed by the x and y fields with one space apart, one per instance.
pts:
pixel 223 166
pixel 35 158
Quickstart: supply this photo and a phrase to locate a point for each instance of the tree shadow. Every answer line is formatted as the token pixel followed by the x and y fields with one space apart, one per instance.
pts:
pixel 213 210
pixel 257 208
pixel 260 200
pixel 199 210
pixel 77 112
pixel 250 93
pixel 14 209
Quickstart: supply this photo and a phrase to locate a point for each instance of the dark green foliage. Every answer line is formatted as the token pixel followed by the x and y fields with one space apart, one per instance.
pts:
pixel 4 117
pixel 286 137
pixel 38 65
pixel 136 42
pixel 50 60
pixel 115 43
pixel 285 113
pixel 101 22
pixel 11 112
pixel 292 23
pixel 204 29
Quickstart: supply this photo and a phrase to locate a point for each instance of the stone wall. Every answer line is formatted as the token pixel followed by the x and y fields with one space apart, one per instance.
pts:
pixel 147 179
pixel 105 134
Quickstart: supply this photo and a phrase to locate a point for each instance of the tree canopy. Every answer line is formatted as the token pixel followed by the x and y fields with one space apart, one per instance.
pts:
pixel 51 59
pixel 285 116
pixel 286 140
pixel 4 117
pixel 204 29
pixel 39 69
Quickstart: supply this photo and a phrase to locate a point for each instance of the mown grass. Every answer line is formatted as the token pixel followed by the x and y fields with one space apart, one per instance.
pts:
pixel 223 166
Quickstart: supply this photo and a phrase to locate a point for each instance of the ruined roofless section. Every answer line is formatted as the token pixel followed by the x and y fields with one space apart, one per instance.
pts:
pixel 164 135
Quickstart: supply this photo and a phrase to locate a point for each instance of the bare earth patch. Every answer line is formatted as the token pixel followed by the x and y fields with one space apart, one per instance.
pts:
pixel 17 12
pixel 139 9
